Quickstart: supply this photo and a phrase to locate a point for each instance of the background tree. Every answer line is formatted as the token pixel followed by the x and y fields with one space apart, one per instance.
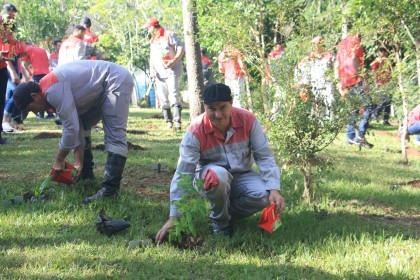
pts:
pixel 193 58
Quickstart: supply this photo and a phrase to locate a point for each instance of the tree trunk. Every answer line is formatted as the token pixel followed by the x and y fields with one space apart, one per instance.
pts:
pixel 308 191
pixel 344 28
pixel 404 103
pixel 193 58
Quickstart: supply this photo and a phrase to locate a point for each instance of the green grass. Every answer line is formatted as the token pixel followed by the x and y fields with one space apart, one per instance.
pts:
pixel 357 228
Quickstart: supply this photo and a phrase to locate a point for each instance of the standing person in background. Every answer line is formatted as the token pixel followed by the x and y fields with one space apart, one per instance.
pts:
pixel 89 36
pixel 166 51
pixel 73 48
pixel 349 70
pixel 11 115
pixel 36 63
pixel 234 70
pixel 381 68
pixel 206 64
pixel 53 58
pixel 8 13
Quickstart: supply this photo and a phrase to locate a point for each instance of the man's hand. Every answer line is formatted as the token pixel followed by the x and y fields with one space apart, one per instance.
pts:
pixel 170 63
pixel 60 160
pixel 161 234
pixel 3 56
pixel 276 198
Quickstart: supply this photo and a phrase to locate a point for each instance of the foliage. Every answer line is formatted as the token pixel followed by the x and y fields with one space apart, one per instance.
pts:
pixel 41 22
pixel 302 123
pixel 191 206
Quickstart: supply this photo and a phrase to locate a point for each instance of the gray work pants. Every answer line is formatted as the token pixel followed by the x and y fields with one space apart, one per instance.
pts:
pixel 236 196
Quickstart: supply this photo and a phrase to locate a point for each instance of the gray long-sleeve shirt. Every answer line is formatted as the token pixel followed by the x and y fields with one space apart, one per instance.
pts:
pixel 75 88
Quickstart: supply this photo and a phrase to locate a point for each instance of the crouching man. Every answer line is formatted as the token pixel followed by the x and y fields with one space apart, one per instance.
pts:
pixel 220 147
pixel 82 93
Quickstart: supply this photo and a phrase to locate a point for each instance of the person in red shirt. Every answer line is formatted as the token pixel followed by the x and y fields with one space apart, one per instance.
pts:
pixel 53 58
pixel 36 63
pixel 206 64
pixel 382 69
pixel 89 36
pixel 348 69
pixel 232 66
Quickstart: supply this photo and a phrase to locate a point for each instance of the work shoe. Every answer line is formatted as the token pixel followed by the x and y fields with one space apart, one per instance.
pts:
pixel 352 142
pixel 364 143
pixel 219 230
pixel 387 123
pixel 178 126
pixel 102 193
pixel 2 140
pixel 169 124
pixel 8 128
pixel 58 121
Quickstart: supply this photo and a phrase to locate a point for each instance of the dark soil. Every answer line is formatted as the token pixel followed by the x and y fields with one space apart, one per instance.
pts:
pixel 157 116
pixel 48 135
pixel 188 242
pixel 136 131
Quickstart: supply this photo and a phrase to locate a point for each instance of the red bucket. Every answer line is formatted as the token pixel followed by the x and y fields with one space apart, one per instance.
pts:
pixel 66 176
pixel 270 220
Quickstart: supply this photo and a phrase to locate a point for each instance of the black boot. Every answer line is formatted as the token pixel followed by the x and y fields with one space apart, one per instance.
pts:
pixel 177 115
pixel 167 115
pixel 87 171
pixel 113 174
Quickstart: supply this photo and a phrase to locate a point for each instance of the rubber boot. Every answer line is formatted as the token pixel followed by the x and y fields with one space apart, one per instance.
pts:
pixel 167 115
pixel 113 173
pixel 177 115
pixel 87 171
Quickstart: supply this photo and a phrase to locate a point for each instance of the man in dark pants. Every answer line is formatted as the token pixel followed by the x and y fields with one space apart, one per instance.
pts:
pixel 82 93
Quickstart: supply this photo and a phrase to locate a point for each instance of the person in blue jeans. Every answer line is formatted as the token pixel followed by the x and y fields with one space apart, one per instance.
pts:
pixel 413 127
pixel 11 113
pixel 356 135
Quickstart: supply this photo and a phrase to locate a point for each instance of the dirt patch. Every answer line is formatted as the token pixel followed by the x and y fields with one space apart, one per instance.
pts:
pixel 414 184
pixel 48 135
pixel 157 116
pixel 410 222
pixel 413 152
pixel 136 131
pixel 131 146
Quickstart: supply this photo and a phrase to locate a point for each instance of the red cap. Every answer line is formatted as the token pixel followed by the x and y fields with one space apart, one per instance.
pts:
pixel 151 22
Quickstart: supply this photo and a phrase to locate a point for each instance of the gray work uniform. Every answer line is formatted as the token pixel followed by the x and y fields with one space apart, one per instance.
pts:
pixel 167 79
pixel 85 92
pixel 205 154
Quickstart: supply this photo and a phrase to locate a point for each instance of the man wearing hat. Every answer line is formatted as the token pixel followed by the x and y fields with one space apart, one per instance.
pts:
pixel 220 147
pixel 166 51
pixel 82 93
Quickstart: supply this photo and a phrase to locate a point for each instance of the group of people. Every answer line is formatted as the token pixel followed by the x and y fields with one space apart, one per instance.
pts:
pixel 219 147
pixel 28 62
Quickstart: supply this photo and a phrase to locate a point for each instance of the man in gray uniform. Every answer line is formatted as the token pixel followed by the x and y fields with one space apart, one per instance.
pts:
pixel 166 51
pixel 82 93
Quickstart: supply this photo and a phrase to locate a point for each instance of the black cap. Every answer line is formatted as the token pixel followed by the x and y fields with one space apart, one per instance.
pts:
pixel 217 93
pixel 22 96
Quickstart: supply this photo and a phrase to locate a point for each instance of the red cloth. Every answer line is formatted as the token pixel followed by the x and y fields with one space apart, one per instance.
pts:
pixel 229 64
pixel 269 220
pixel 414 115
pixel 349 50
pixel 38 58
pixel 210 180
pixel 46 82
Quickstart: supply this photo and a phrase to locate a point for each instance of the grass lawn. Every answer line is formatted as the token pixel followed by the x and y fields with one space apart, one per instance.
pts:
pixel 358 227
